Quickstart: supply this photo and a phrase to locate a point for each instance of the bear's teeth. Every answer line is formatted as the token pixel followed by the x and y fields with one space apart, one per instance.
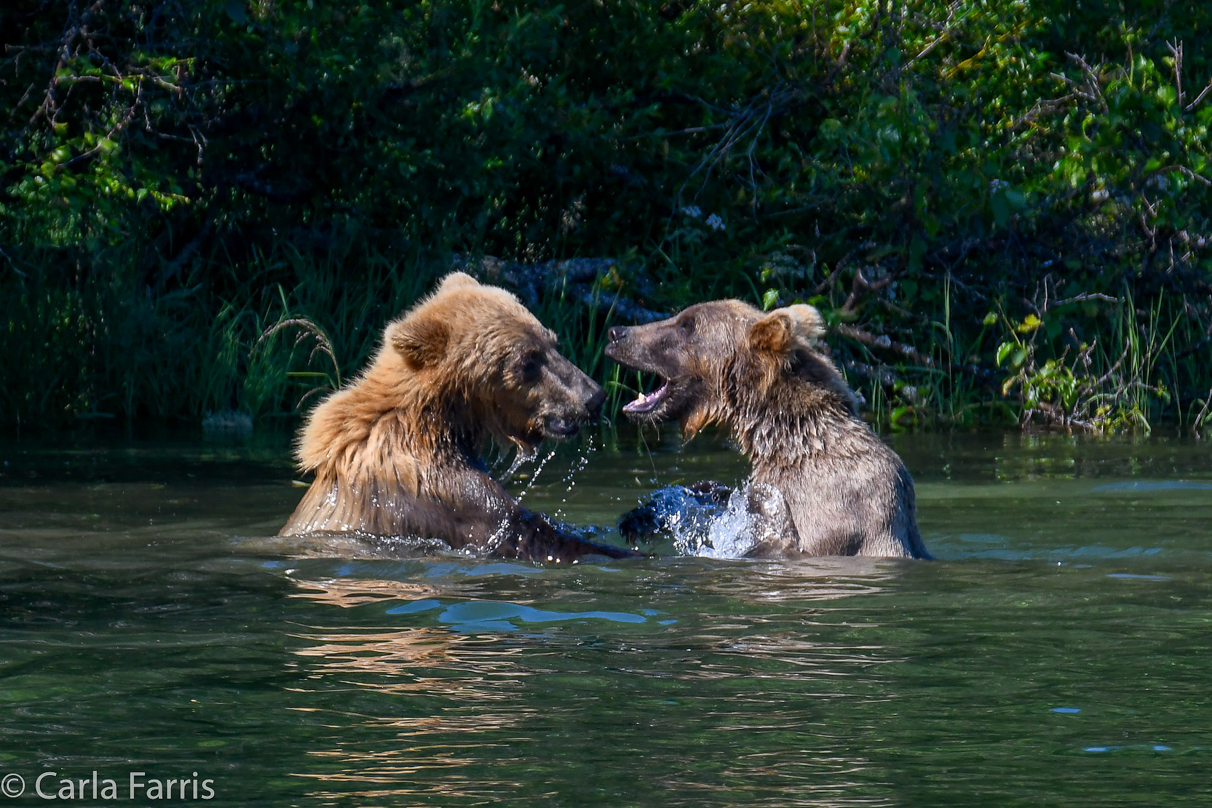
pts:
pixel 647 401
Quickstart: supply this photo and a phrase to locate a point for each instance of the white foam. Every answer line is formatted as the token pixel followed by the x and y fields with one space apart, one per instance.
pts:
pixel 729 532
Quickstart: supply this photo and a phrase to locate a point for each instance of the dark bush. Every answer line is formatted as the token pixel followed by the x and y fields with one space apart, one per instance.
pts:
pixel 1002 206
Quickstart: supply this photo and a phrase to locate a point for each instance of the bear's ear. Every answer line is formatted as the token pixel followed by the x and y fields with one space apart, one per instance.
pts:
pixel 776 331
pixel 457 280
pixel 420 340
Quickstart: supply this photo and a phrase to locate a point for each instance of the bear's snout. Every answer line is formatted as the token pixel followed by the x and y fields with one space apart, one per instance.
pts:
pixel 588 398
pixel 617 343
pixel 595 402
pixel 572 396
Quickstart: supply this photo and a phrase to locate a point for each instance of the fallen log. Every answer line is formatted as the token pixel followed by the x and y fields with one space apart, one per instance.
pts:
pixel 576 278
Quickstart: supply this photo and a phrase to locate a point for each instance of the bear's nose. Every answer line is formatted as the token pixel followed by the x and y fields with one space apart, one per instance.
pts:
pixel 616 333
pixel 594 405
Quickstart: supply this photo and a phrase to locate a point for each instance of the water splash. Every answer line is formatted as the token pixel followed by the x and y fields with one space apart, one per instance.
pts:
pixel 753 515
pixel 569 480
pixel 523 456
pixel 538 470
pixel 729 532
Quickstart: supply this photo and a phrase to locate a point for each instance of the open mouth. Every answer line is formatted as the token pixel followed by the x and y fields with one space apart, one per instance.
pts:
pixel 647 402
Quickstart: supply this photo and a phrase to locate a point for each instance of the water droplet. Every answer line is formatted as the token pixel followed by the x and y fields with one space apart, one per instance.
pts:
pixel 535 476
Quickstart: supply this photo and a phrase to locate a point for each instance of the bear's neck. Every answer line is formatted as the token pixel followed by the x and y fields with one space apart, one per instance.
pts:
pixel 787 422
pixel 787 436
pixel 393 426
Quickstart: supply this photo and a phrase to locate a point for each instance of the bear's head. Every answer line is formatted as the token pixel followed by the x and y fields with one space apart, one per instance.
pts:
pixel 477 351
pixel 713 358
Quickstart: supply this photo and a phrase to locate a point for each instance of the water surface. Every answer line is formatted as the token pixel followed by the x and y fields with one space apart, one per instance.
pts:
pixel 1056 654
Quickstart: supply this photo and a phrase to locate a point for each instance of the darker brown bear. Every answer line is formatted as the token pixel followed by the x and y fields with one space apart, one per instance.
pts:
pixel 823 483
pixel 397 453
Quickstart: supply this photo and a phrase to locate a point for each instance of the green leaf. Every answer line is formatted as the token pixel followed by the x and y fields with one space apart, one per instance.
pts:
pixel 1029 324
pixel 900 414
pixel 770 299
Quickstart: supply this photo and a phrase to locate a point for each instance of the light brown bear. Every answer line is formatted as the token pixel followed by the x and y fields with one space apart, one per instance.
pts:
pixel 397 453
pixel 823 483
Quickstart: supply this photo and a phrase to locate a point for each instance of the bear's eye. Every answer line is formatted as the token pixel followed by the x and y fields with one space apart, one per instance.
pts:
pixel 532 363
pixel 687 325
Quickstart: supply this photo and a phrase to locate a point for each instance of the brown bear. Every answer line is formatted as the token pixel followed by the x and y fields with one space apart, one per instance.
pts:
pixel 823 483
pixel 397 453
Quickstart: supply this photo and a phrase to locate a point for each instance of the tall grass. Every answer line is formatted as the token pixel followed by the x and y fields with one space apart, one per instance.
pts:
pixel 96 342
pixel 266 331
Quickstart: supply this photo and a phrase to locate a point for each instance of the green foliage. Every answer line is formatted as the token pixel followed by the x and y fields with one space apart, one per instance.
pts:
pixel 106 347
pixel 175 177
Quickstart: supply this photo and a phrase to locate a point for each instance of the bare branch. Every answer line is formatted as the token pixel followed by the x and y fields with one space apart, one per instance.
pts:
pixel 1083 297
pixel 885 343
pixel 1176 51
pixel 1198 98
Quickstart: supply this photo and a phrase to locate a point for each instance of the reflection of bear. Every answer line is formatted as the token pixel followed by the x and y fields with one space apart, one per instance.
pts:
pixel 397 452
pixel 793 415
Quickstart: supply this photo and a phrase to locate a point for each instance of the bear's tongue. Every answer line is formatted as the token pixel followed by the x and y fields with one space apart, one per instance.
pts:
pixel 647 401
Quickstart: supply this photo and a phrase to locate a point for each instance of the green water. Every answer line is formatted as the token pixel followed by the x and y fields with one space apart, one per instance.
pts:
pixel 1058 653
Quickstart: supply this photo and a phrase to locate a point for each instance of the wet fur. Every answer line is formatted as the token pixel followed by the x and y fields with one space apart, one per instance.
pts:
pixel 763 377
pixel 397 452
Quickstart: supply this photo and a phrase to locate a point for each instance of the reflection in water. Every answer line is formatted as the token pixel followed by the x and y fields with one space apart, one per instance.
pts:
pixel 391 660
pixel 350 592
pixel 444 692
pixel 459 675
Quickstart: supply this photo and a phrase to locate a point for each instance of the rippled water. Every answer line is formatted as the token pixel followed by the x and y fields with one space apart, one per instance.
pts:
pixel 1056 654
